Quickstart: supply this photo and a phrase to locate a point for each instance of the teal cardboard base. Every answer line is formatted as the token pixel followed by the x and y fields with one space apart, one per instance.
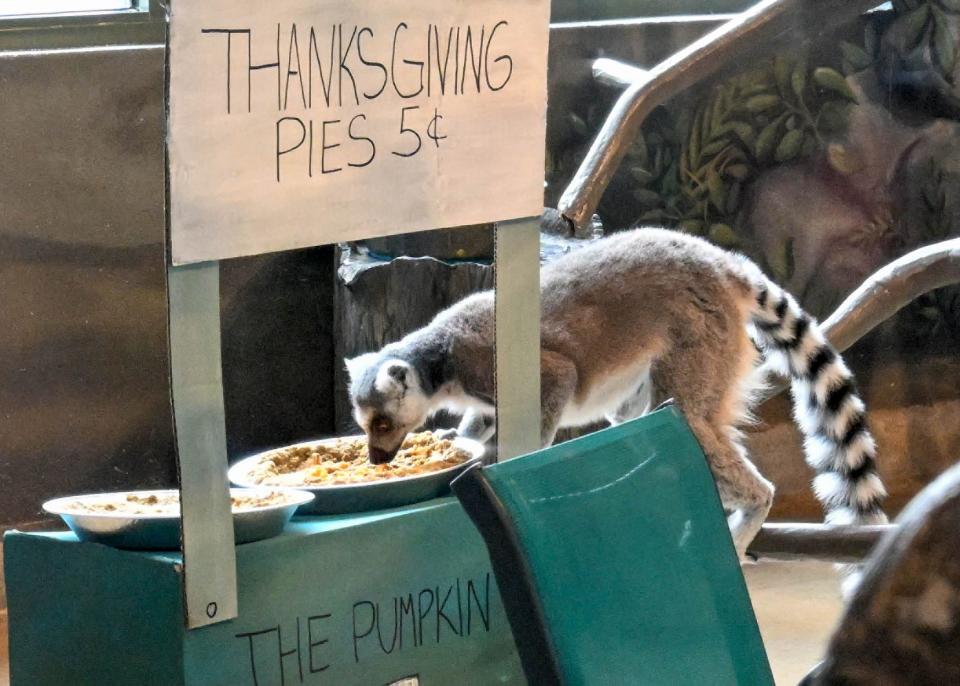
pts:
pixel 337 600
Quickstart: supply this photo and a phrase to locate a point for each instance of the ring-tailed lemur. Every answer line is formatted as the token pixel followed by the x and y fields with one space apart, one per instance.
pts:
pixel 629 321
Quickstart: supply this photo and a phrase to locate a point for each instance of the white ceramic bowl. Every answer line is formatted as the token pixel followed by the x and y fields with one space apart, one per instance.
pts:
pixel 162 532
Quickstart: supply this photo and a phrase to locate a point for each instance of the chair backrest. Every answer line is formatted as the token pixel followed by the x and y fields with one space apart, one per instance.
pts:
pixel 614 561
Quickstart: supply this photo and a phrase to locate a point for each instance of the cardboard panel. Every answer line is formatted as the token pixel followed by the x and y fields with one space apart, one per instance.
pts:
pixel 368 600
pixel 371 604
pixel 302 122
pixel 88 614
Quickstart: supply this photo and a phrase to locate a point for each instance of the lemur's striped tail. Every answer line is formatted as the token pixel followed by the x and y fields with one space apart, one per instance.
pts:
pixel 828 411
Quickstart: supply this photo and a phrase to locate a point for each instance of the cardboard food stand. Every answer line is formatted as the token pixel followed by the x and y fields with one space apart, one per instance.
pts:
pixel 291 124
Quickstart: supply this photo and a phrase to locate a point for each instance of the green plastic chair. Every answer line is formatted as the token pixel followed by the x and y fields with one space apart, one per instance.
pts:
pixel 614 561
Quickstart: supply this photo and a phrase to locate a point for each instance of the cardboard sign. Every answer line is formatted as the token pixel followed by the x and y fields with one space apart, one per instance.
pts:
pixel 396 598
pixel 302 122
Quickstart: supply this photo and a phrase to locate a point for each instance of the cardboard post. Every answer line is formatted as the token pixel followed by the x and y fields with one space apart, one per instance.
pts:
pixel 518 337
pixel 196 385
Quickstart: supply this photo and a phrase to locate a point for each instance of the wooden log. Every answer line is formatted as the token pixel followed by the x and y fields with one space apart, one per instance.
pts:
pixel 377 302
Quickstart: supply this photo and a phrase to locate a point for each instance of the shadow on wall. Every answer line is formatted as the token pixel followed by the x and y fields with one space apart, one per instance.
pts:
pixel 277 340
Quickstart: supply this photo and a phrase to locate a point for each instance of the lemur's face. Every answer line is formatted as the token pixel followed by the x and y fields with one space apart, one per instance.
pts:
pixel 388 402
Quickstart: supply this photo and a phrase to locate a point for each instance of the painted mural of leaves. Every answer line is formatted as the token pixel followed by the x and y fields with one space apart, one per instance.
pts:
pixel 717 189
pixel 693 167
pixel 782 262
pixel 737 171
pixel 920 45
pixel 699 161
pixel 943 43
pixel 923 36
pixel 855 56
pixel 641 175
pixel 761 103
pixel 637 152
pixel 733 198
pixel 742 130
pixel 782 71
pixel 670 185
pixel 798 79
pixel 715 147
pixel 841 159
pixel 705 127
pixel 694 191
pixel 952 6
pixel 716 115
pixel 660 160
pixel 755 89
pixel 938 192
pixel 652 217
pixel 910 27
pixel 768 140
pixel 833 81
pixel 723 235
pixel 905 5
pixel 939 197
pixel 871 39
pixel 789 146
pixel 693 149
pixel 579 125
pixel 834 116
pixel 646 198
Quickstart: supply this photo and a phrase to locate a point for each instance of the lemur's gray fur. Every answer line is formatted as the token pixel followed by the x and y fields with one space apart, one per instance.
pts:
pixel 627 322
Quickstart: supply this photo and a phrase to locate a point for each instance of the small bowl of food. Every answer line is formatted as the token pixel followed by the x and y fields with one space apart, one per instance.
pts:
pixel 338 473
pixel 150 520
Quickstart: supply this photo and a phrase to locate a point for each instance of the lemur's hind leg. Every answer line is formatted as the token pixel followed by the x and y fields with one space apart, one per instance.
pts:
pixel 636 405
pixel 742 488
pixel 558 383
pixel 706 379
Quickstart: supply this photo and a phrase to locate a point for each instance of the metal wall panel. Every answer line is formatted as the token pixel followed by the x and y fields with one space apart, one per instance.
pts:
pixel 84 378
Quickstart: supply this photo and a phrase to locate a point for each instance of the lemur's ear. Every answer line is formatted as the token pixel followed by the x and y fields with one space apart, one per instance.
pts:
pixel 398 372
pixel 356 365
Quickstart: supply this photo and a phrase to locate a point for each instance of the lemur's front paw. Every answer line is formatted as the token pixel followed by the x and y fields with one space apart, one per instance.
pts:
pixel 446 434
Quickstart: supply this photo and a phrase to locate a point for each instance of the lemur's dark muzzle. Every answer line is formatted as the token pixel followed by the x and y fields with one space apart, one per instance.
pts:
pixel 381 456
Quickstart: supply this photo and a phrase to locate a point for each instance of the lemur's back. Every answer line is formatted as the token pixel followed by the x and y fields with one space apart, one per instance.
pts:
pixel 625 299
pixel 638 293
pixel 631 266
